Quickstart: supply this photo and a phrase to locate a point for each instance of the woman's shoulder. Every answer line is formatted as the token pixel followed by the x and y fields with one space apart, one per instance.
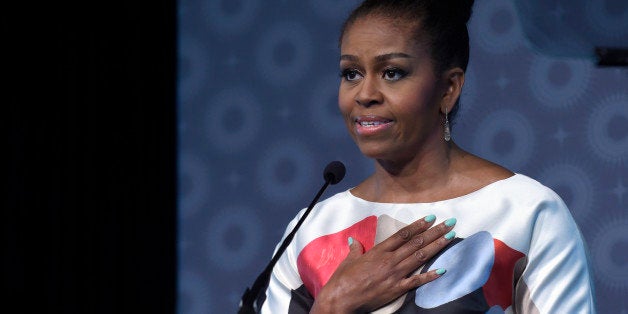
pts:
pixel 472 173
pixel 479 173
pixel 480 169
pixel 341 197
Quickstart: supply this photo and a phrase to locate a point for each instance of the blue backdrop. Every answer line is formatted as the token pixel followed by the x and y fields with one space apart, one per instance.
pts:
pixel 258 121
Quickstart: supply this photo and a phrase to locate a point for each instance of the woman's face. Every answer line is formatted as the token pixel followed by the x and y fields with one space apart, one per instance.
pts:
pixel 389 95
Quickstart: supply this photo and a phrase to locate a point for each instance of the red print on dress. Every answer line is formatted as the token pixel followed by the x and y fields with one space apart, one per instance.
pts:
pixel 320 258
pixel 499 286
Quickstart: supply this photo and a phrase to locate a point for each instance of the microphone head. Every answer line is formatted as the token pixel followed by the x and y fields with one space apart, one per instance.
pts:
pixel 334 172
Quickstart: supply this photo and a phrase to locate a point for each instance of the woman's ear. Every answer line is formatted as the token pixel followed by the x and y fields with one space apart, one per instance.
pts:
pixel 454 80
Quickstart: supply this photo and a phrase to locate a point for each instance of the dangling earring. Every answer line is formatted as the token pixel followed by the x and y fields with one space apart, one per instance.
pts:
pixel 447 130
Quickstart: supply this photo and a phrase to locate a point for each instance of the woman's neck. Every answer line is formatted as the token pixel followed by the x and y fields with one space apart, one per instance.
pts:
pixel 430 177
pixel 424 177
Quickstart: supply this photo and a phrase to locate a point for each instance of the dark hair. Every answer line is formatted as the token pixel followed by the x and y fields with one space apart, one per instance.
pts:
pixel 442 24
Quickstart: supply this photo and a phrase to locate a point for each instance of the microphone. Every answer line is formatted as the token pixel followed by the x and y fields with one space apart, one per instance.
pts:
pixel 334 173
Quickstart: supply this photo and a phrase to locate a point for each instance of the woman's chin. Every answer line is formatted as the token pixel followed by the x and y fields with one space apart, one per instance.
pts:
pixel 376 151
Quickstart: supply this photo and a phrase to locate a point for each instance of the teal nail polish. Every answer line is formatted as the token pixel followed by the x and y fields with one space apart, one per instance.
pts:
pixel 429 218
pixel 350 240
pixel 450 222
pixel 450 235
pixel 441 271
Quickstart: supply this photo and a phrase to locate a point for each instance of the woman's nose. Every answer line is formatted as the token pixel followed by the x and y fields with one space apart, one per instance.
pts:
pixel 369 93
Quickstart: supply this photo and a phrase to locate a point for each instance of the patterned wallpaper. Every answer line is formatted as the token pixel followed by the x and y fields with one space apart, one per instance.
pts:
pixel 258 122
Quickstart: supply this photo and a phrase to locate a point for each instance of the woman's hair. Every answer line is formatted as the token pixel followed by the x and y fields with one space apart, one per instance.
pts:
pixel 440 24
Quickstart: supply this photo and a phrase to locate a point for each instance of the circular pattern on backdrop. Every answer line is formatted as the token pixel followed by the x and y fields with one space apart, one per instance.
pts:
pixel 234 237
pixel 333 9
pixel 227 17
pixel 574 186
pixel 324 114
pixel 607 129
pixel 284 54
pixel 193 295
pixel 607 24
pixel 193 184
pixel 558 83
pixel 505 137
pixel 608 252
pixel 285 172
pixel 193 62
pixel 495 26
pixel 233 120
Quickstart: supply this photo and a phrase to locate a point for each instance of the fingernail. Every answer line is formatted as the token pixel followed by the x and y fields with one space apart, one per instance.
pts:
pixel 350 240
pixel 450 235
pixel 429 218
pixel 450 222
pixel 441 271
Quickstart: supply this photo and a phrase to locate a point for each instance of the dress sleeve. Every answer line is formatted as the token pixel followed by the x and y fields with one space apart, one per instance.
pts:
pixel 556 278
pixel 285 292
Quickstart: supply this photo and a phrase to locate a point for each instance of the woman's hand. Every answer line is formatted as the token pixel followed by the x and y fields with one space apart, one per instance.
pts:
pixel 364 282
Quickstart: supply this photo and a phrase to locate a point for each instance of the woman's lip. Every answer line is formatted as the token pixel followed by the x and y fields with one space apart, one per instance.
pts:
pixel 371 125
pixel 371 119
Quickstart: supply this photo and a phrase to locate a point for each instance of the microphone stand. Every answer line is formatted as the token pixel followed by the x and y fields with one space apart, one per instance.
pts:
pixel 247 303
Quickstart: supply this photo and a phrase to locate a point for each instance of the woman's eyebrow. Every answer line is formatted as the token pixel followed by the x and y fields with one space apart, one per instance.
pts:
pixel 349 58
pixel 392 55
pixel 379 58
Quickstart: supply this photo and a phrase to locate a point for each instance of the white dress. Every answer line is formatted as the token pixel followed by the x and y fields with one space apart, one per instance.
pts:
pixel 517 250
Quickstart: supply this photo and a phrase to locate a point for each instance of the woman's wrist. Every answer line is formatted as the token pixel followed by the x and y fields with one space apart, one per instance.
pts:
pixel 326 308
pixel 327 304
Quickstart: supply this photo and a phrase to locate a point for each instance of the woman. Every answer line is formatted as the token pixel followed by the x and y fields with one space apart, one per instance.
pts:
pixel 378 247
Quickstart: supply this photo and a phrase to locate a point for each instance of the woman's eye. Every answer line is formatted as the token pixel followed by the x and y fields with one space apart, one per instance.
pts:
pixel 351 75
pixel 394 74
